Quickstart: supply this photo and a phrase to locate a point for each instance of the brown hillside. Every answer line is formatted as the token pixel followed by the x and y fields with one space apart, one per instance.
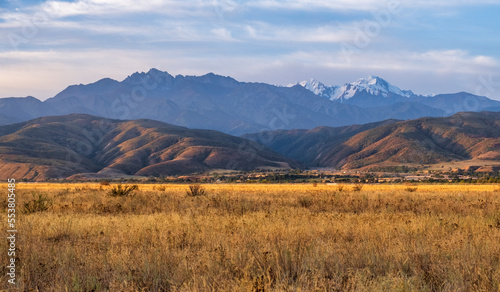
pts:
pixel 59 147
pixel 463 136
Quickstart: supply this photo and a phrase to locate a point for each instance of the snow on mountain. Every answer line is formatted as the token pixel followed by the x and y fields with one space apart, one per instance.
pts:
pixel 372 85
pixel 316 87
pixel 376 86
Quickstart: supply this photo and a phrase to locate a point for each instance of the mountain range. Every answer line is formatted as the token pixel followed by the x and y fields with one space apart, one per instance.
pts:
pixel 371 85
pixel 224 104
pixel 84 146
pixel 467 136
pixel 155 124
pixel 79 146
pixel 374 91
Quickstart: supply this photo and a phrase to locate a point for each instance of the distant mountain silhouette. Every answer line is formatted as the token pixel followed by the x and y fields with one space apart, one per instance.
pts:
pixel 224 104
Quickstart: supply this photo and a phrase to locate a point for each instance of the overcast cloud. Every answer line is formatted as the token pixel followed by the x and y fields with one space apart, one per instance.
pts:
pixel 426 46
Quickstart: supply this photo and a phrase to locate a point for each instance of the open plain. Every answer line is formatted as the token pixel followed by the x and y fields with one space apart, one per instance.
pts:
pixel 256 237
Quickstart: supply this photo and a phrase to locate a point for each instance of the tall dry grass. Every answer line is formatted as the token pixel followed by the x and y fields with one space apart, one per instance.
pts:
pixel 259 238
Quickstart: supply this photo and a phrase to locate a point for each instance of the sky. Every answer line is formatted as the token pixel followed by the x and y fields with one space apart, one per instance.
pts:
pixel 439 46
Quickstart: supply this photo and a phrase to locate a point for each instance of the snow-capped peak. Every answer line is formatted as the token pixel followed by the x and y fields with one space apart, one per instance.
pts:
pixel 316 87
pixel 377 86
pixel 372 85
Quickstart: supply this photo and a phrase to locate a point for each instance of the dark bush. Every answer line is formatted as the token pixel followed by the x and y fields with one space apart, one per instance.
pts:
pixel 39 204
pixel 120 191
pixel 196 190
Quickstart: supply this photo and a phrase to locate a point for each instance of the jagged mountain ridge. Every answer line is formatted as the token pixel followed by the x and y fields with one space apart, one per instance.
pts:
pixel 222 103
pixel 372 85
pixel 206 102
pixel 374 91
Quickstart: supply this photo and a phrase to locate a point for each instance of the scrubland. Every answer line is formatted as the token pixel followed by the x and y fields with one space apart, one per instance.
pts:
pixel 256 237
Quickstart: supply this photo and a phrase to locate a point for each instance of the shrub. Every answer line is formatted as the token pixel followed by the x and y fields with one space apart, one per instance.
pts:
pixel 340 187
pixel 196 190
pixel 39 204
pixel 357 187
pixel 104 183
pixel 120 191
pixel 161 188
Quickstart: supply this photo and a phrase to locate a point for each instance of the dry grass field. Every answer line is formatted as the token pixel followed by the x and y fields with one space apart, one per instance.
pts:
pixel 253 237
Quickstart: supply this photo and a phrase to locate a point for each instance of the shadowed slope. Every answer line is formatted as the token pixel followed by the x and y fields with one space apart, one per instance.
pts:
pixel 463 136
pixel 58 147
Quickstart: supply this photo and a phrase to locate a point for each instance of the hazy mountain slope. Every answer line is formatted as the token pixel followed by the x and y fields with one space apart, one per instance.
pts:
pixel 463 136
pixel 458 102
pixel 308 146
pixel 408 110
pixel 206 102
pixel 224 104
pixel 428 140
pixel 19 109
pixel 61 146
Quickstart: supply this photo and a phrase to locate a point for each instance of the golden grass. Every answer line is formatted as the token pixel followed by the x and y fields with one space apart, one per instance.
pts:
pixel 252 237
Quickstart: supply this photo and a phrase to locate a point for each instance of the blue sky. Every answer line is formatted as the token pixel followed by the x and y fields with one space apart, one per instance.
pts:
pixel 426 46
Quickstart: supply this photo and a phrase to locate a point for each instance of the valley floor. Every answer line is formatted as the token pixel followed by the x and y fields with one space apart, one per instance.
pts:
pixel 256 237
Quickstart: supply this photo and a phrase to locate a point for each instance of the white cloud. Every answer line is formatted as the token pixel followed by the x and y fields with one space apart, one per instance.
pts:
pixel 316 4
pixel 361 5
pixel 443 61
pixel 152 21
pixel 91 44
pixel 319 34
pixel 53 10
pixel 423 72
pixel 110 7
pixel 45 73
pixel 453 61
pixel 222 34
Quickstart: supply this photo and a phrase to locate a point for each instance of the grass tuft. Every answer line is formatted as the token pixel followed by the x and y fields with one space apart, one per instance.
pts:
pixel 119 191
pixel 357 187
pixel 196 190
pixel 40 204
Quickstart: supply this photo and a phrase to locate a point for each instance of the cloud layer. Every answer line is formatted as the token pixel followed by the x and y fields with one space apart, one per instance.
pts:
pixel 420 45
